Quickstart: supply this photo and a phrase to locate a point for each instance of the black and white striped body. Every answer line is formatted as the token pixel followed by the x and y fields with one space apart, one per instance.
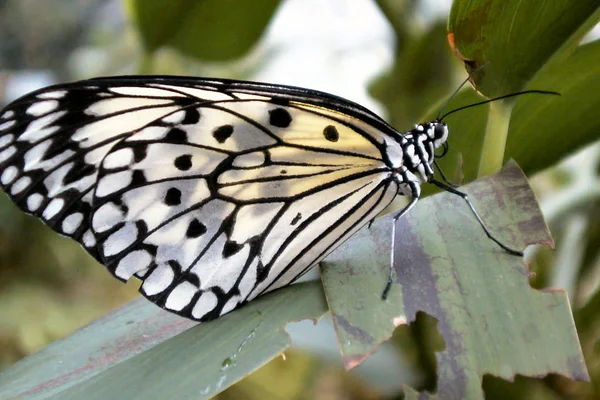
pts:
pixel 210 191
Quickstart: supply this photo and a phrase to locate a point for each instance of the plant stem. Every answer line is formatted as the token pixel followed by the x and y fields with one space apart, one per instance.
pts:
pixel 494 142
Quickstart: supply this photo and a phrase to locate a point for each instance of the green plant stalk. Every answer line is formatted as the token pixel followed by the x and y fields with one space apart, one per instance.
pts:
pixel 496 134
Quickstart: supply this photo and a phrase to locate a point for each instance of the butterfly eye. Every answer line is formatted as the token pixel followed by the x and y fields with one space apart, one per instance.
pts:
pixel 440 132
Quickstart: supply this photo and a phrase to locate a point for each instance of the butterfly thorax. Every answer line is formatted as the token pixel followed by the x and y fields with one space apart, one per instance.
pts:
pixel 419 145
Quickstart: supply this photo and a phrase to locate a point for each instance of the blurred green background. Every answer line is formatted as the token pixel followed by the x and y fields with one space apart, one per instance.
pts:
pixel 391 56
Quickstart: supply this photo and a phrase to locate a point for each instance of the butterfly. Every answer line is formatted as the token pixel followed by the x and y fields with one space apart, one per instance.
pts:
pixel 210 191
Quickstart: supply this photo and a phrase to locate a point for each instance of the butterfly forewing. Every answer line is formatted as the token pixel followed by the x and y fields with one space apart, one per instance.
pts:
pixel 211 192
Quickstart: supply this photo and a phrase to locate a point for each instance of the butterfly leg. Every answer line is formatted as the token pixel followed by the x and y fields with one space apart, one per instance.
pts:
pixel 465 197
pixel 415 190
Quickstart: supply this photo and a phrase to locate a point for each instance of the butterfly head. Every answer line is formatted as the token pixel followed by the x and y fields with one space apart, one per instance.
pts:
pixel 438 132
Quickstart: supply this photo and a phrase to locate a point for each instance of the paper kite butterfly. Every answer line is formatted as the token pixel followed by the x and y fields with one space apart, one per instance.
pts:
pixel 210 191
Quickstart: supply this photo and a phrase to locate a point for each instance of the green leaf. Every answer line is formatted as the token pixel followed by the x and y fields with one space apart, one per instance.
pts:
pixel 545 129
pixel 516 37
pixel 140 352
pixel 156 20
pixel 492 321
pixel 211 30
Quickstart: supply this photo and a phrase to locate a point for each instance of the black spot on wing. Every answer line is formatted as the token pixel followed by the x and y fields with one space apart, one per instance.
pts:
pixel 176 135
pixel 139 152
pixel 222 133
pixel 195 229
pixel 262 272
pixel 280 118
pixel 296 219
pixel 331 133
pixel 183 163
pixel 230 248
pixel 192 116
pixel 173 197
pixel 138 178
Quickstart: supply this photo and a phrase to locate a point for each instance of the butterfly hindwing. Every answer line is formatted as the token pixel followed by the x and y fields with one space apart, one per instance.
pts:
pixel 48 166
pixel 53 140
pixel 211 192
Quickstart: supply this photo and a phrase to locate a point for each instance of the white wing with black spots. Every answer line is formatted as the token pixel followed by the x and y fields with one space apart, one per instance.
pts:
pixel 212 192
pixel 52 142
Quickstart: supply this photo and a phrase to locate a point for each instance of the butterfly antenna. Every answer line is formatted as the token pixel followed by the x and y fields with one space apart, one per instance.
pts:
pixel 467 79
pixel 497 98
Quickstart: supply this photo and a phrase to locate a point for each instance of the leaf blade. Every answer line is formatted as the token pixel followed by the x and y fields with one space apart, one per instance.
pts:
pixel 207 30
pixel 160 354
pixel 516 37
pixel 446 267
